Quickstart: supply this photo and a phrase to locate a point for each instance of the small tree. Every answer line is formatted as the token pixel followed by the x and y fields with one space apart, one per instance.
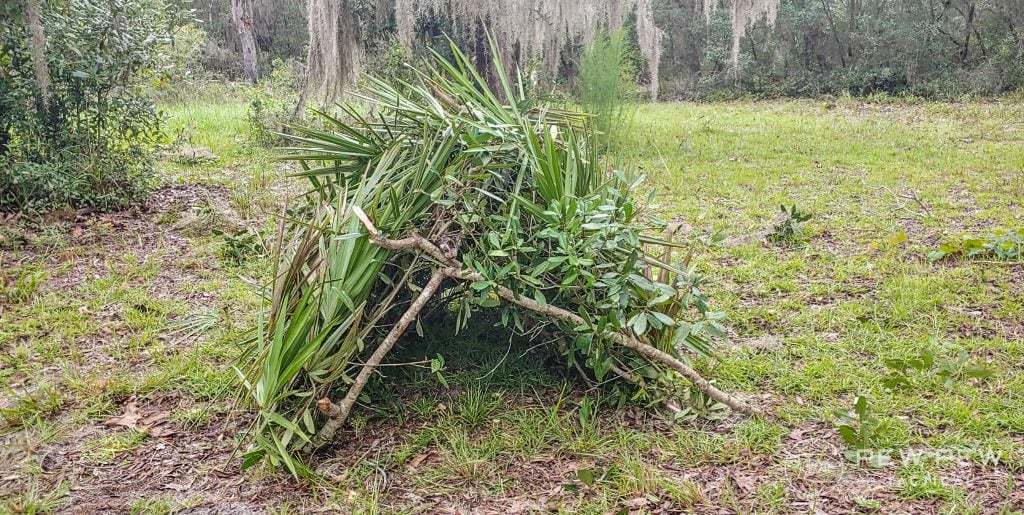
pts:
pixel 77 128
pixel 607 85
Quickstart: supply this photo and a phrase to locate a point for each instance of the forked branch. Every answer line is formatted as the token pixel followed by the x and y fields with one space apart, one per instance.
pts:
pixel 337 413
pixel 455 270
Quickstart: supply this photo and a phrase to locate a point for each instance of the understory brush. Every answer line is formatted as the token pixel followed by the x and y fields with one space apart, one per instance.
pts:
pixel 272 103
pixel 81 130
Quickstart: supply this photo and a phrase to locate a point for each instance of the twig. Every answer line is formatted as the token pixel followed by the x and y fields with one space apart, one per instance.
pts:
pixel 910 195
pixel 913 196
pixel 338 413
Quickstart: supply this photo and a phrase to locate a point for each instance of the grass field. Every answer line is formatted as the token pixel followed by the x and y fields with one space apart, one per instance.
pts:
pixel 117 332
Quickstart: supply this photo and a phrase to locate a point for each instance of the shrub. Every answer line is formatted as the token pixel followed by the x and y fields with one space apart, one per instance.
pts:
pixel 272 103
pixel 23 183
pixel 607 85
pixel 84 139
pixel 874 80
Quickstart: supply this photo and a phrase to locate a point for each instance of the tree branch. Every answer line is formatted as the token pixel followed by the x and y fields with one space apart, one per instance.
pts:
pixel 455 270
pixel 338 413
pixel 618 337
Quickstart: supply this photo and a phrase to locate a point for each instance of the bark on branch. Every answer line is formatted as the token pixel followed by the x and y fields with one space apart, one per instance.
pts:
pixel 338 413
pixel 455 270
pixel 648 351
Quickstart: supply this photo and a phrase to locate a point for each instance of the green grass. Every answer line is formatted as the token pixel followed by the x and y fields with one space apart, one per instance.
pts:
pixel 811 323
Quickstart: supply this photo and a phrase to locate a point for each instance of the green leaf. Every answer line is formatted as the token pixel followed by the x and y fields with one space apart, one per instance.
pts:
pixel 640 324
pixel 663 318
pixel 252 458
pixel 586 476
pixel 978 372
pixel 896 381
pixel 287 424
pixel 861 407
pixel 540 298
pixel 849 435
pixel 436 364
pixel 897 239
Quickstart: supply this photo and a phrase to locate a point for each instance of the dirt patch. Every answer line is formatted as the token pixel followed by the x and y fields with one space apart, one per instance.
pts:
pixel 764 343
pixel 192 465
pixel 104 464
pixel 1017 281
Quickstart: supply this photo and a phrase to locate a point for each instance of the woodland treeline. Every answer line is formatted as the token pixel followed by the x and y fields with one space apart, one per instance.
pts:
pixel 80 79
pixel 927 48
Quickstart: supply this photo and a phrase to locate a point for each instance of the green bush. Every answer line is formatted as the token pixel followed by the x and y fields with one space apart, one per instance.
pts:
pixel 607 85
pixel 88 142
pixel 88 174
pixel 272 103
pixel 23 184
pixel 181 66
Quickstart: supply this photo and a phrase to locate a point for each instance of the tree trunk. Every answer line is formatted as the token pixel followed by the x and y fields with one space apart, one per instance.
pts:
pixel 37 46
pixel 835 32
pixel 334 48
pixel 241 14
pixel 968 26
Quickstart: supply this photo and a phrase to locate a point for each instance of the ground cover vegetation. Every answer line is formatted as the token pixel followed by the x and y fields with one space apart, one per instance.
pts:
pixel 812 325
